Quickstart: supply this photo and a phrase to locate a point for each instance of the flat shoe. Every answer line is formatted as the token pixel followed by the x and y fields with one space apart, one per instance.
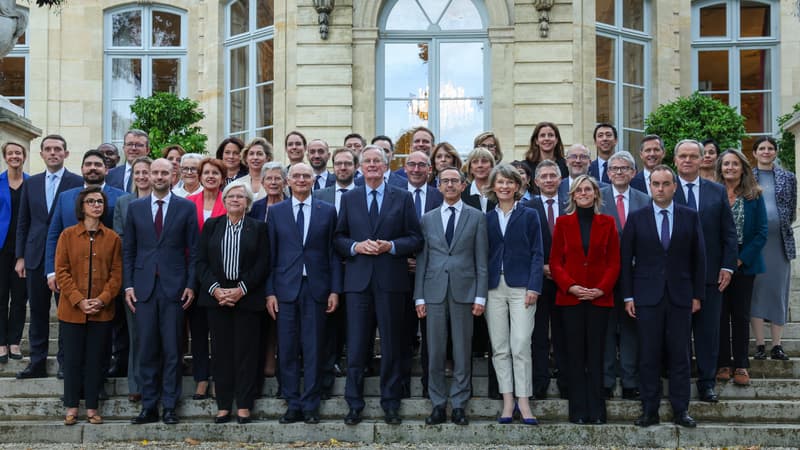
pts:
pixel 70 420
pixel 222 419
pixel 16 356
pixel 95 419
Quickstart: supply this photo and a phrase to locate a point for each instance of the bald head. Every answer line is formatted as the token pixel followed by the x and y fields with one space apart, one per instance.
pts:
pixel 300 176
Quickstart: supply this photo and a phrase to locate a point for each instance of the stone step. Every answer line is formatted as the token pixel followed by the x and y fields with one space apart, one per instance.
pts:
pixel 336 434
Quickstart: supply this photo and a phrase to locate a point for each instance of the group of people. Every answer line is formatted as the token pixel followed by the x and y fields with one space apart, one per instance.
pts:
pixel 604 269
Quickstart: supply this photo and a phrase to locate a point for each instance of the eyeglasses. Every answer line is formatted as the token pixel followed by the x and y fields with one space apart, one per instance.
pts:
pixel 135 145
pixel 578 157
pixel 417 165
pixel 619 169
pixel 449 180
pixel 94 201
pixel 189 169
pixel 301 176
pixel 343 164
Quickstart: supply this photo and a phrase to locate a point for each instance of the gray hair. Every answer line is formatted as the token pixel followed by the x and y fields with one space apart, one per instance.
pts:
pixel 577 147
pixel 139 133
pixel 189 156
pixel 505 170
pixel 545 163
pixel 248 193
pixel 376 148
pixel 689 141
pixel 625 156
pixel 273 165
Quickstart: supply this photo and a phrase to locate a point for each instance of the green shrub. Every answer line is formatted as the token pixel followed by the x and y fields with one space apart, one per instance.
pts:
pixel 169 120
pixel 786 141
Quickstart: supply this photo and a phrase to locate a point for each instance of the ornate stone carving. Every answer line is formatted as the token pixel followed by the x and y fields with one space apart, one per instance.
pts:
pixel 324 9
pixel 543 7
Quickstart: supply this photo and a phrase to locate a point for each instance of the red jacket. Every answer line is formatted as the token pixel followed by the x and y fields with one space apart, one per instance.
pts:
pixel 570 266
pixel 218 210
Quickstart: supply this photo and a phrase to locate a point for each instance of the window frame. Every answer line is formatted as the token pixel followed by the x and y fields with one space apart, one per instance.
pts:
pixel 23 51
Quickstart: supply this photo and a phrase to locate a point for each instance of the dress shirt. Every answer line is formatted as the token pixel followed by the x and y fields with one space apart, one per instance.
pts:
pixel 180 191
pixel 473 190
pixel 423 191
pixel 59 175
pixel 230 254
pixel 647 181
pixel 659 218
pixel 164 207
pixel 695 190
pixel 602 165
pixel 626 197
pixel 306 220
pixel 127 177
pixel 337 199
pixel 544 200
pixel 503 218
pixel 379 198
pixel 322 181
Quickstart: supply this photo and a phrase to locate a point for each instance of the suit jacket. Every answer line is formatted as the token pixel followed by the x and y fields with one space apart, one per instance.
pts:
pixel 330 180
pixel 648 272
pixel 475 201
pixel 786 200
pixel 34 219
pixel 64 217
pixel 547 238
pixel 719 231
pixel 172 256
pixel 433 198
pixel 594 170
pixel 463 263
pixel 639 183
pixel 288 254
pixel 216 211
pixel 569 265
pixel 327 194
pixel 5 205
pixel 116 176
pixel 636 200
pixel 253 265
pixel 259 210
pixel 121 213
pixel 518 252
pixel 754 236
pixel 397 223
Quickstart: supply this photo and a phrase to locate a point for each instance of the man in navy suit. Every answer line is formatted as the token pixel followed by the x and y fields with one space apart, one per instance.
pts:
pixel 159 278
pixel 396 178
pixel 318 156
pixel 605 139
pixel 303 286
pixel 651 152
pixel 376 233
pixel 711 201
pixel 37 200
pixel 663 284
pixel 578 163
pixel 137 144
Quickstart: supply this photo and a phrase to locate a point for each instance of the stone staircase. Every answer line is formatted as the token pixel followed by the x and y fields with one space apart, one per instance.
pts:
pixel 766 413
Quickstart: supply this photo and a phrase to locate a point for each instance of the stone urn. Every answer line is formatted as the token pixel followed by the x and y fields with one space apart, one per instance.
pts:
pixel 12 25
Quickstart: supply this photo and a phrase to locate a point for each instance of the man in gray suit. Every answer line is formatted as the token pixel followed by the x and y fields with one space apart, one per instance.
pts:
pixel 619 200
pixel 451 287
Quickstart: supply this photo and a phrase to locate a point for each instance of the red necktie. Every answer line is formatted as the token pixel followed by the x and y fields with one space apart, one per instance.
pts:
pixel 621 211
pixel 551 220
pixel 159 222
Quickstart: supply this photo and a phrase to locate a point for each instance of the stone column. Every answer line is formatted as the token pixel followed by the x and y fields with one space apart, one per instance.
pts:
pixel 793 126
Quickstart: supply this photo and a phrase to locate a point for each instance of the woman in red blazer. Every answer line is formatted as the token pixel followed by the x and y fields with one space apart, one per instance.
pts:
pixel 584 263
pixel 209 201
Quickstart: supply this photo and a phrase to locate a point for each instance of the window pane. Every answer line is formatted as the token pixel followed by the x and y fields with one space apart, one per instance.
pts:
pixel 457 79
pixel 265 57
pixel 712 70
pixel 724 98
pixel 606 99
pixel 433 8
pixel 633 14
pixel 166 29
pixel 166 75
pixel 265 133
pixel 604 11
pixel 239 17
pixel 238 111
pixel 757 112
pixel 406 70
pixel 461 15
pixel 401 115
pixel 633 107
pixel 263 105
pixel 633 63
pixel 605 58
pixel 126 78
pixel 632 140
pixel 754 67
pixel 713 22
pixel 264 14
pixel 238 69
pixel 460 121
pixel 121 118
pixel 126 29
pixel 406 15
pixel 754 19
pixel 12 77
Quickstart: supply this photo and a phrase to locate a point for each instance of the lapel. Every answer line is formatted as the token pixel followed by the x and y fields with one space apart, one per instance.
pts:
pixel 388 198
pixel 515 215
pixel 460 225
pixel 493 224
pixel 651 225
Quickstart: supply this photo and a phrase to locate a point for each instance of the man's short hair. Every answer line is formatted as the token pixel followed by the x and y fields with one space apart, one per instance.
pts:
pixel 355 135
pixel 651 137
pixel 95 153
pixel 345 150
pixel 663 168
pixel 604 125
pixel 139 133
pixel 625 156
pixel 56 137
pixel 545 163
pixel 689 141
pixel 384 157
pixel 383 138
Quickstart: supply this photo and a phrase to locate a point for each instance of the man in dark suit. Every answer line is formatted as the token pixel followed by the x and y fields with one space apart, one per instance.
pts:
pixel 663 283
pixel 578 163
pixel 39 196
pixel 318 155
pixel 159 279
pixel 396 178
pixel 376 233
pixel 605 139
pixel 422 140
pixel 301 232
pixel 137 144
pixel 651 152
pixel 711 201
pixel 619 200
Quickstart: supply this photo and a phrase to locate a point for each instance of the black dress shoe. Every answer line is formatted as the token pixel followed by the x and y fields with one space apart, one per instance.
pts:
pixel 117 369
pixel 708 395
pixel 146 416
pixel 392 417
pixel 169 417
pixel 4 359
pixel 630 393
pixel 778 353
pixel 243 420
pixel 353 417
pixel 645 420
pixel 223 419
pixel 438 415
pixel 578 421
pixel 685 420
pixel 311 417
pixel 598 422
pixel 32 371
pixel 291 416
pixel 16 356
pixel 459 417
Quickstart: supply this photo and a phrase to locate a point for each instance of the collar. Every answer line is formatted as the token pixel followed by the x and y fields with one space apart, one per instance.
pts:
pixel 83 230
pixel 545 198
pixel 102 186
pixel 348 187
pixel 626 193
pixel 423 188
pixel 457 205
pixel 670 208
pixel 696 181
pixel 473 189
pixel 295 201
pixel 381 189
pixel 59 173
pixel 500 211
pixel 166 199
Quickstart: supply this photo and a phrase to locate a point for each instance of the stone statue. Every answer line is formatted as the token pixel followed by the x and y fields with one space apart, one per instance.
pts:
pixel 13 22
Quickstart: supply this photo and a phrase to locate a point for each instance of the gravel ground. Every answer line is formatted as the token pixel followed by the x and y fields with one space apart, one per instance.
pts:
pixel 332 444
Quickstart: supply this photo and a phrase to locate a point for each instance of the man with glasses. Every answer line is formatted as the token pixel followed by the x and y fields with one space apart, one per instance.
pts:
pixel 396 178
pixel 137 143
pixel 578 164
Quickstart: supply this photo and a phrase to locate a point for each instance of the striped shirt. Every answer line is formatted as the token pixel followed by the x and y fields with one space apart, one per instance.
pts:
pixel 230 254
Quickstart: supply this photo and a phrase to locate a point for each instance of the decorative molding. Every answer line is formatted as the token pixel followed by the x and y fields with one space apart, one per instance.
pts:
pixel 324 8
pixel 543 8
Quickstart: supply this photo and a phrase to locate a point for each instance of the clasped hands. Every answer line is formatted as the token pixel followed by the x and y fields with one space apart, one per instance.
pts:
pixel 585 294
pixel 374 248
pixel 91 306
pixel 228 296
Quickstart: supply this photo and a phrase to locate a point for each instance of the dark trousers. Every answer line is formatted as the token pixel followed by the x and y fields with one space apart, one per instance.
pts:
pixel 333 344
pixel 361 307
pixel 734 326
pixel 120 343
pixel 83 354
pixel 39 296
pixel 548 330
pixel 664 327
pixel 705 327
pixel 234 355
pixel 198 329
pixel 13 293
pixel 585 326
pixel 301 324
pixel 621 334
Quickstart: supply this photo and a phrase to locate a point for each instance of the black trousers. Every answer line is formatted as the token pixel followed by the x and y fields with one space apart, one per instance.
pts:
pixel 333 344
pixel 39 296
pixel 548 330
pixel 734 326
pixel 585 326
pixel 13 294
pixel 234 355
pixel 198 329
pixel 83 356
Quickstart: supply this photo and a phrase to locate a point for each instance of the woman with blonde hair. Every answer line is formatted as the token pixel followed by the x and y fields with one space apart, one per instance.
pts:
pixel 489 141
pixel 255 154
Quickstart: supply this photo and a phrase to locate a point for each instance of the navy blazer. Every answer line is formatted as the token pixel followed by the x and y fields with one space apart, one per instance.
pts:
pixel 547 238
pixel 594 170
pixel 172 256
pixel 34 219
pixel 519 251
pixel 719 231
pixel 397 223
pixel 754 236
pixel 648 272
pixel 639 183
pixel 5 205
pixel 64 217
pixel 116 176
pixel 433 198
pixel 253 266
pixel 259 210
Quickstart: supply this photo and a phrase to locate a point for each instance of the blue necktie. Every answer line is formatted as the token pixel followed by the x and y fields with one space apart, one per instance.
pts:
pixel 301 221
pixel 451 225
pixel 317 184
pixel 50 193
pixel 690 200
pixel 418 202
pixel 605 178
pixel 665 228
pixel 373 209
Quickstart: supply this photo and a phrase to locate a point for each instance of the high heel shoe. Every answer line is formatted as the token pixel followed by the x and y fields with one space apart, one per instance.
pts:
pixel 201 396
pixel 506 420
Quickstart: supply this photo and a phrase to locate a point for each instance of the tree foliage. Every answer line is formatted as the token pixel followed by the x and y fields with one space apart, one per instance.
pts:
pixel 786 141
pixel 169 120
pixel 696 117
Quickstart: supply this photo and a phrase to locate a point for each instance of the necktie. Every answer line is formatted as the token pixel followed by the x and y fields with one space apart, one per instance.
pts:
pixel 317 184
pixel 301 221
pixel 665 228
pixel 373 209
pixel 690 200
pixel 451 225
pixel 159 222
pixel 605 178
pixel 129 183
pixel 51 190
pixel 418 202
pixel 621 210
pixel 551 220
